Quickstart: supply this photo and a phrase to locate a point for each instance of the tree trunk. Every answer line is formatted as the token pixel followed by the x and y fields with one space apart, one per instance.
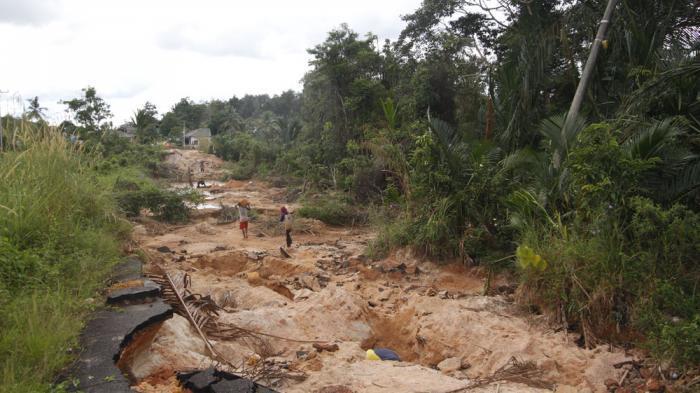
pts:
pixel 590 64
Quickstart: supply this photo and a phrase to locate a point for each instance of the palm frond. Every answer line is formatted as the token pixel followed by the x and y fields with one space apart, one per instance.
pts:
pixel 652 140
pixel 687 182
pixel 446 134
pixel 561 138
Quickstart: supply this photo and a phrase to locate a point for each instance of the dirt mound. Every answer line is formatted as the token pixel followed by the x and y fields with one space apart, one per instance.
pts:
pixel 179 162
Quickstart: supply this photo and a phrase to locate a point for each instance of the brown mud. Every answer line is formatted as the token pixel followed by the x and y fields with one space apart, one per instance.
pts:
pixel 329 291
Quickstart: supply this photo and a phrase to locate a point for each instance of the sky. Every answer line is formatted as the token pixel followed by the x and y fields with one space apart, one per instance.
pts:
pixel 163 50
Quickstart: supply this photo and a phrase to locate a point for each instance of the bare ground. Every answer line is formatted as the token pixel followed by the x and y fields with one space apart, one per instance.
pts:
pixel 328 291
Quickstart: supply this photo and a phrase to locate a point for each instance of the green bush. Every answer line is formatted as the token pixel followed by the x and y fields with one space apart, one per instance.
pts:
pixel 618 264
pixel 333 209
pixel 166 205
pixel 242 170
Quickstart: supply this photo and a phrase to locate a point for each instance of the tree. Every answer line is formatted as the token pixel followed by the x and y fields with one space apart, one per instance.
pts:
pixel 146 123
pixel 35 111
pixel 343 90
pixel 90 110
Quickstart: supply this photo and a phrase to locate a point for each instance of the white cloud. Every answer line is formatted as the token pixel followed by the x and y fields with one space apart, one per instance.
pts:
pixel 136 51
pixel 33 12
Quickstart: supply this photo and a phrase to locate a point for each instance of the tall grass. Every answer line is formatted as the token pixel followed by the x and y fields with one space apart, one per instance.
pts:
pixel 58 239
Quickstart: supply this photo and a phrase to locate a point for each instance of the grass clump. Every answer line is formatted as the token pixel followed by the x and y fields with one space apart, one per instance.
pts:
pixel 333 209
pixel 59 237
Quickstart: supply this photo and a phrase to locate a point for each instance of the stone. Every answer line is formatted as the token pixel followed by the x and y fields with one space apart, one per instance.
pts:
pixel 611 384
pixel 654 385
pixel 303 293
pixel 164 249
pixel 326 347
pixel 253 278
pixel 450 364
pixel 310 282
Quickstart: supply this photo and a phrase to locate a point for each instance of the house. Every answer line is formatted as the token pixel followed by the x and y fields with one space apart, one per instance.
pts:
pixel 197 138
pixel 127 131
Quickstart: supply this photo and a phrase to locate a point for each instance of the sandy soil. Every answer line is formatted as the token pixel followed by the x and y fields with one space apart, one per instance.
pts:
pixel 330 291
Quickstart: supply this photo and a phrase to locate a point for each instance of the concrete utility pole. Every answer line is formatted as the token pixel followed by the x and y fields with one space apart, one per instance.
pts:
pixel 1 135
pixel 590 63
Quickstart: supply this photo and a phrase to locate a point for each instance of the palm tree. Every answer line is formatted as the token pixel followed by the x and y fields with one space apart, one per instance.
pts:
pixel 35 111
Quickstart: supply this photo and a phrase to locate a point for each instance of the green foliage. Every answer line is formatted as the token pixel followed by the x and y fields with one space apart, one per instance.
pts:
pixel 601 172
pixel 333 209
pixel 118 153
pixel 59 237
pixel 146 123
pixel 90 110
pixel 165 205
pixel 529 260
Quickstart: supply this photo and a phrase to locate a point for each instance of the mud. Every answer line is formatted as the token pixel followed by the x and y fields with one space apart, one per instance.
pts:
pixel 329 291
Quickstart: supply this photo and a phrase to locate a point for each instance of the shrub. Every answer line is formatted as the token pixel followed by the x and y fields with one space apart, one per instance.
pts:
pixel 333 209
pixel 166 205
pixel 619 264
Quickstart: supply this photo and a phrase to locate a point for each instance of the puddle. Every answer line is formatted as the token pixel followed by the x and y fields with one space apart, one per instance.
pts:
pixel 203 206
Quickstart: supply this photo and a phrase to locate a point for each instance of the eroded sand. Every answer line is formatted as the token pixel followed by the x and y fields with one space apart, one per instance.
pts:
pixel 329 291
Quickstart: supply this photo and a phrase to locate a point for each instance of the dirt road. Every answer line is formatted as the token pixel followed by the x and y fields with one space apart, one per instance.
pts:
pixel 329 291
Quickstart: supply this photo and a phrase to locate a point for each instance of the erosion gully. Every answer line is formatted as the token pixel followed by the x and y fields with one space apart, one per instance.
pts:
pixel 450 337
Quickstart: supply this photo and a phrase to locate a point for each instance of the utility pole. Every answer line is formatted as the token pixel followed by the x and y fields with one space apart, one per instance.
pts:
pixel 590 63
pixel 1 134
pixel 183 134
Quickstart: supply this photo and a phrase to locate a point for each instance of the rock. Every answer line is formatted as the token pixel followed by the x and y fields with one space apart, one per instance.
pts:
pixel 654 385
pixel 303 293
pixel 326 347
pixel 310 282
pixel 566 389
pixel 253 278
pixel 164 249
pixel 611 384
pixel 220 248
pixel 335 389
pixel 449 365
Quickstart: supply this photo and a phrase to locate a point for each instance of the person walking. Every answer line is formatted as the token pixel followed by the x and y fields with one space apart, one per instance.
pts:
pixel 286 220
pixel 243 212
